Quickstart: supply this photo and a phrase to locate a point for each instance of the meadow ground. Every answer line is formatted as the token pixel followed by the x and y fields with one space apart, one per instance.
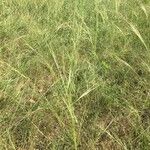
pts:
pixel 74 74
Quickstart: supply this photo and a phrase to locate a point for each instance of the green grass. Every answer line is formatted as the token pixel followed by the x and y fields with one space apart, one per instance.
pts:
pixel 74 74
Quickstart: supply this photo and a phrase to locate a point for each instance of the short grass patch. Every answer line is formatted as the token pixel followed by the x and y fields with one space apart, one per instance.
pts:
pixel 74 75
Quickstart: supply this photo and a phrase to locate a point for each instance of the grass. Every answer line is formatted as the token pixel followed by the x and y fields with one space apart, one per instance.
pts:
pixel 74 75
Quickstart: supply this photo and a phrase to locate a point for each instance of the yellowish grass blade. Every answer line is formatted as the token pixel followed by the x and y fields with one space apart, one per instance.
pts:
pixel 14 69
pixel 86 93
pixel 135 30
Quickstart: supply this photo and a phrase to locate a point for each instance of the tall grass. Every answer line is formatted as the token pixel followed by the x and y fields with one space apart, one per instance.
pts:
pixel 74 74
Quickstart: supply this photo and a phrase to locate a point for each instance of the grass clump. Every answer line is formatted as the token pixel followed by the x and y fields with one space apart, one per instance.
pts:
pixel 74 74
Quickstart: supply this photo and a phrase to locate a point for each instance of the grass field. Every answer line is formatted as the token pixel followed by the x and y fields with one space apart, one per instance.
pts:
pixel 74 74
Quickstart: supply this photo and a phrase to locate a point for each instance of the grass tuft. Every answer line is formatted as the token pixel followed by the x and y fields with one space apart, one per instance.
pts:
pixel 74 75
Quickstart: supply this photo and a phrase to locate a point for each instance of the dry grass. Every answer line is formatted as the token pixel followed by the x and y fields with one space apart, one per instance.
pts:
pixel 74 74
